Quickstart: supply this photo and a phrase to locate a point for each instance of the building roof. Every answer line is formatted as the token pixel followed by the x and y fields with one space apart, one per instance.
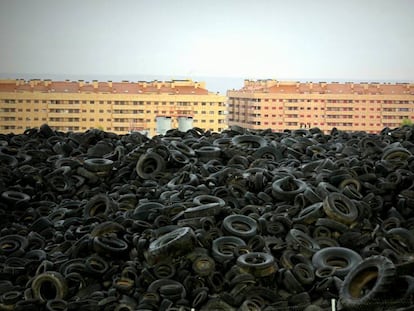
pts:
pixel 282 87
pixel 186 87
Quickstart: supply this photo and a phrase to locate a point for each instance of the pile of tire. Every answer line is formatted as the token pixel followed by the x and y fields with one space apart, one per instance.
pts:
pixel 198 220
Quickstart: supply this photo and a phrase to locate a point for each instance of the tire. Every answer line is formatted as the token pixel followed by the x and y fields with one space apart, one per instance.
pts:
pixel 396 154
pixel 304 273
pixel 49 285
pixel 258 264
pixel 400 240
pixel 241 226
pixel 302 242
pixel 341 259
pixel 100 166
pixel 172 244
pixel 310 214
pixel 13 245
pixel 203 265
pixel 340 208
pixel 367 283
pixel 287 188
pixel 99 205
pixel 207 205
pixel 56 305
pixel 268 152
pixel 182 147
pixel 223 248
pixel 248 143
pixel 150 165
pixel 109 246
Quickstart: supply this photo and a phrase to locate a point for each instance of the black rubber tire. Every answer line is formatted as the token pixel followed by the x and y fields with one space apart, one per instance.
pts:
pixel 287 188
pixel 396 154
pixel 207 205
pixel 13 245
pixel 310 214
pixel 182 147
pixel 248 143
pixel 172 244
pixel 109 246
pixel 340 208
pixel 223 248
pixel 203 265
pixel 257 263
pixel 99 166
pixel 304 273
pixel 241 226
pixel 268 152
pixel 56 305
pixel 367 283
pixel 98 205
pixel 400 240
pixel 300 241
pixel 49 285
pixel 150 165
pixel 341 259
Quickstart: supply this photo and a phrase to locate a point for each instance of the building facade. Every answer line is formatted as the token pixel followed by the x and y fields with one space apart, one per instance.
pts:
pixel 119 107
pixel 369 107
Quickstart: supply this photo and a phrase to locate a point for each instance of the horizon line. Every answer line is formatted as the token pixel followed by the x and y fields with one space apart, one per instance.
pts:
pixel 47 76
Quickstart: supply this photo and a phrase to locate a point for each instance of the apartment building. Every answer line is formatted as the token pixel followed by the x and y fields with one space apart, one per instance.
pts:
pixel 369 107
pixel 120 107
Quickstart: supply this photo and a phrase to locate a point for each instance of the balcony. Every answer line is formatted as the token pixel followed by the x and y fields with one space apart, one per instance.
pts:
pixel 9 122
pixel 127 124
pixel 8 114
pixel 292 119
pixel 127 115
pixel 294 105
pixel 340 112
pixel 340 105
pixel 64 123
pixel 336 118
pixel 64 106
pixel 64 115
pixel 397 113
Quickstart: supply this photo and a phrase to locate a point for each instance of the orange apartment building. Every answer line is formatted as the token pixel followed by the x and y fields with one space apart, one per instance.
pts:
pixel 369 107
pixel 120 107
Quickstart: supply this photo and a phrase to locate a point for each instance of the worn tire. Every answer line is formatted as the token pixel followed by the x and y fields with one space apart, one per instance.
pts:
pixel 365 285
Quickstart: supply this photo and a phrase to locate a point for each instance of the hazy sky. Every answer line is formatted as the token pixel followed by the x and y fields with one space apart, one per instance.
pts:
pixel 282 39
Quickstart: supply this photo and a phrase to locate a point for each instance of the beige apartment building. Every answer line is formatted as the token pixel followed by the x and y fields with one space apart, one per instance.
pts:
pixel 369 107
pixel 120 107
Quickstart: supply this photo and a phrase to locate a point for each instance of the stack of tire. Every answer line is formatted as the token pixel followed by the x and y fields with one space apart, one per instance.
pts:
pixel 197 220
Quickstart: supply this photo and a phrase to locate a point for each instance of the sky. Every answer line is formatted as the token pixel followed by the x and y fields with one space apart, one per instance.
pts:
pixel 301 40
